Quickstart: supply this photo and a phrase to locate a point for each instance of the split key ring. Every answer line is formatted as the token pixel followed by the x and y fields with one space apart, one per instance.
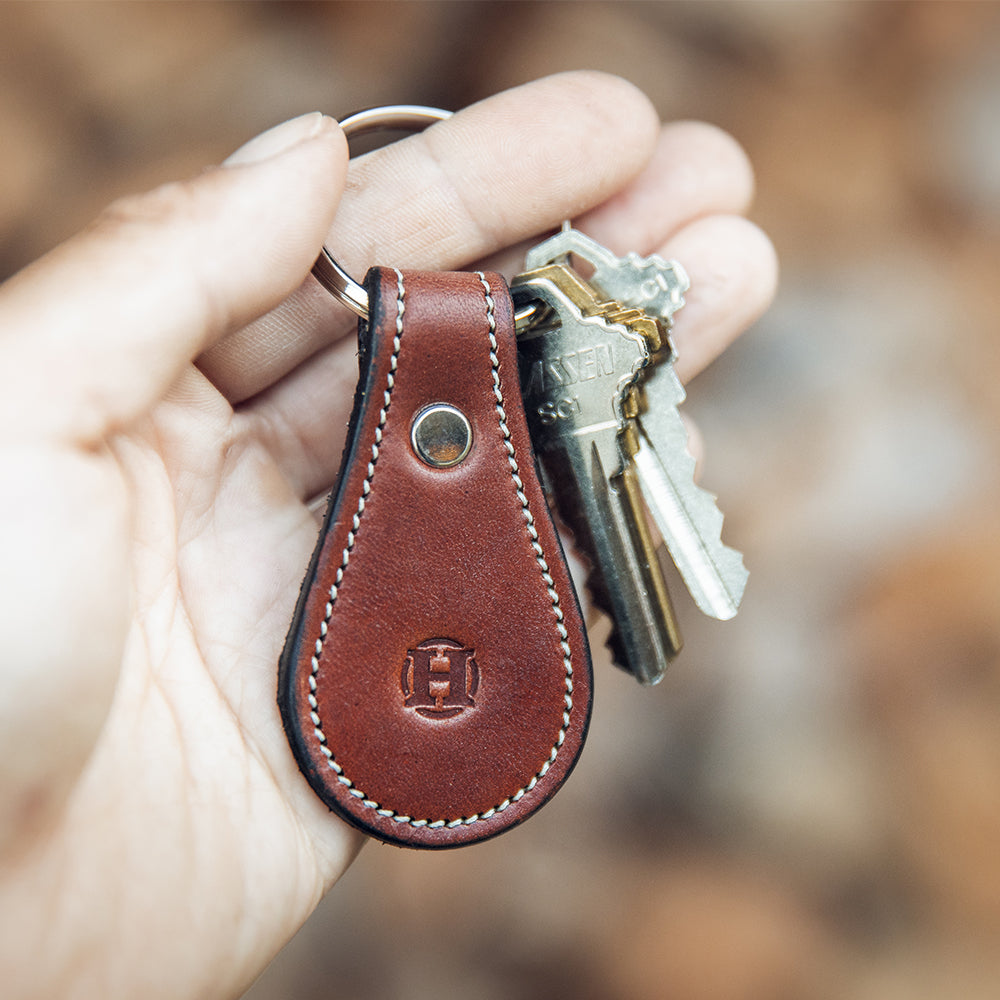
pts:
pixel 412 117
pixel 326 270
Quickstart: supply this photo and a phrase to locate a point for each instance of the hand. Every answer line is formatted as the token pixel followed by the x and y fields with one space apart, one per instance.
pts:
pixel 173 389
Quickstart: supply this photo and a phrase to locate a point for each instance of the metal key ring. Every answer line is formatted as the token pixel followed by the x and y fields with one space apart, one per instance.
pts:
pixel 414 117
pixel 326 270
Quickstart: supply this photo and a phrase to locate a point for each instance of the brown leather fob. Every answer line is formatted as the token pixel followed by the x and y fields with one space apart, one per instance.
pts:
pixel 436 681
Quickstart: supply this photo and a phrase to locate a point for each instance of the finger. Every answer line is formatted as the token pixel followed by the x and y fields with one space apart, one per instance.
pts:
pixel 495 173
pixel 734 273
pixel 104 324
pixel 732 267
pixel 302 420
pixel 696 170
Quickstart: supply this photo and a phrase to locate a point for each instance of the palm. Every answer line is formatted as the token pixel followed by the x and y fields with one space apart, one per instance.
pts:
pixel 190 784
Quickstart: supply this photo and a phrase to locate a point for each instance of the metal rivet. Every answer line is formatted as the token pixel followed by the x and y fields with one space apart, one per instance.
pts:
pixel 441 435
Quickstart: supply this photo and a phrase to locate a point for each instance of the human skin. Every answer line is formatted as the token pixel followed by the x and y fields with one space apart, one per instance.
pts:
pixel 173 388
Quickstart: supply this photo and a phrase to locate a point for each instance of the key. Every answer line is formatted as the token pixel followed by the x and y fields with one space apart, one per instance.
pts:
pixel 686 515
pixel 578 364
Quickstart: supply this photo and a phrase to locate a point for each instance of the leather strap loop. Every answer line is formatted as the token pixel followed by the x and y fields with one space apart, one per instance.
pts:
pixel 436 681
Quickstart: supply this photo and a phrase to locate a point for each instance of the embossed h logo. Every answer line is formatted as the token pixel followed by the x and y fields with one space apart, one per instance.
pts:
pixel 439 678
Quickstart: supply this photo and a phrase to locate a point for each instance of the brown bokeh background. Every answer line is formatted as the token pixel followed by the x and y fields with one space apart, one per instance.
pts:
pixel 809 805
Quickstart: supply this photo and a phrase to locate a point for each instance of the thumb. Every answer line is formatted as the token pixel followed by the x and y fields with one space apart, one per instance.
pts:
pixel 96 331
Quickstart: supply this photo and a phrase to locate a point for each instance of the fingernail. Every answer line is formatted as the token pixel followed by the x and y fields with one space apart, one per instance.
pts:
pixel 278 139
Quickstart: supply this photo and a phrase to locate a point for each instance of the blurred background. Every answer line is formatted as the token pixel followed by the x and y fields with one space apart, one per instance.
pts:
pixel 809 805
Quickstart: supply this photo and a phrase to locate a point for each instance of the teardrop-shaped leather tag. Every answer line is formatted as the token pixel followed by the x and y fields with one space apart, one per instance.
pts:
pixel 436 681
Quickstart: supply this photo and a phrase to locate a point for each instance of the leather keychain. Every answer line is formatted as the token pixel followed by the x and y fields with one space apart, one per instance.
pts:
pixel 435 684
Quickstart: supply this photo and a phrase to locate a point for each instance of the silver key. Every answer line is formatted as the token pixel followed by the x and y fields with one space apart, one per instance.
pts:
pixel 686 515
pixel 577 372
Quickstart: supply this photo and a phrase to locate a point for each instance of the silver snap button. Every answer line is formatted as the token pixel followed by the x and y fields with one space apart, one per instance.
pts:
pixel 441 435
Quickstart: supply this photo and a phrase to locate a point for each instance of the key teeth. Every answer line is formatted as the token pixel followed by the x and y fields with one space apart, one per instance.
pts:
pixel 600 600
pixel 599 597
pixel 728 568
pixel 730 562
pixel 617 649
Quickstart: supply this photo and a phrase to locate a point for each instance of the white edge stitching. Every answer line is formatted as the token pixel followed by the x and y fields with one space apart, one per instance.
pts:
pixel 539 558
